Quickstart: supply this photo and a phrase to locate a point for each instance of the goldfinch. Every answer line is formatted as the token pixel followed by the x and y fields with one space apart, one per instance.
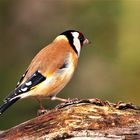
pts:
pixel 50 70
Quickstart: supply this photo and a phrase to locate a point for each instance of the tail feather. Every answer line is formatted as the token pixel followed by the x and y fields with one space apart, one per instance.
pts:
pixel 7 104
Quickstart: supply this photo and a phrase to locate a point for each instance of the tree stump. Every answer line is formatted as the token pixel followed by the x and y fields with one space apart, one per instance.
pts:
pixel 83 119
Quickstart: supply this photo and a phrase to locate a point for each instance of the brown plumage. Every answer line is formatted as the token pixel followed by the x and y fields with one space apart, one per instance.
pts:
pixel 50 70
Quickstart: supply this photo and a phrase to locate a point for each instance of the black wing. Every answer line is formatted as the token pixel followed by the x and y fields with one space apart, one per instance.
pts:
pixel 28 85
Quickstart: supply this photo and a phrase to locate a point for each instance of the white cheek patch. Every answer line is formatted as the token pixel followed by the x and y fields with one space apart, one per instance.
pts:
pixel 76 42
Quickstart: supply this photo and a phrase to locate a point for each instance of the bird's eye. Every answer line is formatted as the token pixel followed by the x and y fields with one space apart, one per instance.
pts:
pixel 81 38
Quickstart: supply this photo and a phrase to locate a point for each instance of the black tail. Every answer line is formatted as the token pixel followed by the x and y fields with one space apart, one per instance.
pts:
pixel 7 104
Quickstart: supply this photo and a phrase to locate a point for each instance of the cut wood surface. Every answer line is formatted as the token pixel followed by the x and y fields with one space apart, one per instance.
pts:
pixel 83 119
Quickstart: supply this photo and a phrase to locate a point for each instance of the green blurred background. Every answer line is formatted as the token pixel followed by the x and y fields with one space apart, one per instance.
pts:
pixel 109 68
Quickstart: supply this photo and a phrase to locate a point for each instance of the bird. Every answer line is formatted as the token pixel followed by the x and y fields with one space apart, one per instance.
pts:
pixel 50 70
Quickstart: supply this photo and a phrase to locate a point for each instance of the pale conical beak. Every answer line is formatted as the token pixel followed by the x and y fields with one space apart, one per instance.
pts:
pixel 86 41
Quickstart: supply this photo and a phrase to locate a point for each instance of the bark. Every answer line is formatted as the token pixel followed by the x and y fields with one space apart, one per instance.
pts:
pixel 84 119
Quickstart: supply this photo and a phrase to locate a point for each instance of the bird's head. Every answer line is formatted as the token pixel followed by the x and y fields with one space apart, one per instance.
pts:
pixel 76 39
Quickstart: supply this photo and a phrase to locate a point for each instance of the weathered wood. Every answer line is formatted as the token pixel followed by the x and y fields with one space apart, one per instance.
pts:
pixel 81 119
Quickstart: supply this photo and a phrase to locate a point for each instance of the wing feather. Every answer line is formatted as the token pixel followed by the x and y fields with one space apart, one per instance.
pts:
pixel 34 80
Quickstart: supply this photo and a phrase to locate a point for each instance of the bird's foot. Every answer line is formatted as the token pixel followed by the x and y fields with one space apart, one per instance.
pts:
pixel 68 102
pixel 59 99
pixel 64 100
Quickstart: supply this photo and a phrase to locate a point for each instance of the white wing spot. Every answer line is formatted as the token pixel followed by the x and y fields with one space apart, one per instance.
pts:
pixel 34 74
pixel 19 90
pixel 24 89
pixel 28 83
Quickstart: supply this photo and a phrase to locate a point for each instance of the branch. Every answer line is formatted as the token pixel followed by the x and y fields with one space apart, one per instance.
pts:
pixel 85 118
